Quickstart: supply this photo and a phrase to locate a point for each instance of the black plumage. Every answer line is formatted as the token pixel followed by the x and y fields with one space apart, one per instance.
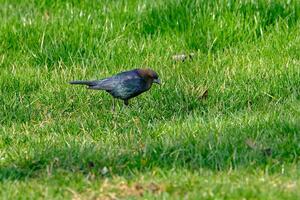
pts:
pixel 124 85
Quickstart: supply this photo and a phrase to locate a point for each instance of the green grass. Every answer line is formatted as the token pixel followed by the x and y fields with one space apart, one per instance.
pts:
pixel 241 142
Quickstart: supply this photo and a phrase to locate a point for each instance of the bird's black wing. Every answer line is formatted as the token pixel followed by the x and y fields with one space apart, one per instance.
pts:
pixel 129 85
pixel 111 83
pixel 105 84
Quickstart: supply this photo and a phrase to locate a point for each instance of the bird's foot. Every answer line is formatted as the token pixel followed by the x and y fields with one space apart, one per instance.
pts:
pixel 113 106
pixel 126 102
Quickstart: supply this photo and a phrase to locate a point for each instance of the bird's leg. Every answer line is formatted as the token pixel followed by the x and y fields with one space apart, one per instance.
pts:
pixel 113 105
pixel 126 102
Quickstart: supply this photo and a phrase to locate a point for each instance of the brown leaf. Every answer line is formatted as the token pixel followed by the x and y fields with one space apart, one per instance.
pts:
pixel 265 151
pixel 46 16
pixel 138 186
pixel 204 95
pixel 183 57
pixel 154 188
pixel 250 143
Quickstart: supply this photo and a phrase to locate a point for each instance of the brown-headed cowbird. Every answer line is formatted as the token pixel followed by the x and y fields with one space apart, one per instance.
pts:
pixel 124 85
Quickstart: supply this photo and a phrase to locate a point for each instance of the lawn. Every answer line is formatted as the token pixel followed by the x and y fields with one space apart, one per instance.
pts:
pixel 223 125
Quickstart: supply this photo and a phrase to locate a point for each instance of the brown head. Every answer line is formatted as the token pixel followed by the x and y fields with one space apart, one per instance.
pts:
pixel 149 75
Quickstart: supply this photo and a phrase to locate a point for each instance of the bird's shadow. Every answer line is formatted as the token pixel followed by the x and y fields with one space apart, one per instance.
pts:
pixel 161 104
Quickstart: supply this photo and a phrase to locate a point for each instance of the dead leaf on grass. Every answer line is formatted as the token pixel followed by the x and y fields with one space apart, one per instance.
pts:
pixel 46 16
pixel 253 145
pixel 250 143
pixel 204 95
pixel 183 57
pixel 199 92
pixel 155 188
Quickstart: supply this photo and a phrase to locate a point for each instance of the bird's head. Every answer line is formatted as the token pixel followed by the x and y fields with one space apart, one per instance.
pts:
pixel 149 75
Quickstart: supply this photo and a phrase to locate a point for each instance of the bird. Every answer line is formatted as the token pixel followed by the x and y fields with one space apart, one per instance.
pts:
pixel 124 85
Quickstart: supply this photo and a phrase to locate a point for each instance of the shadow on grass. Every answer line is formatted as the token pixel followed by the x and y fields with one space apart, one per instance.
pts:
pixel 213 150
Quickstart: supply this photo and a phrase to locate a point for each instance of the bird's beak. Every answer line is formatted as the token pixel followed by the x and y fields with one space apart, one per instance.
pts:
pixel 157 81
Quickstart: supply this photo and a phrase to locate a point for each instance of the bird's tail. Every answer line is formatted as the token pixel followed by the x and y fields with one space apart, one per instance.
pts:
pixel 88 83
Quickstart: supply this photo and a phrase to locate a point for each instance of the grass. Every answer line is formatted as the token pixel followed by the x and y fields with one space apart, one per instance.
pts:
pixel 63 142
